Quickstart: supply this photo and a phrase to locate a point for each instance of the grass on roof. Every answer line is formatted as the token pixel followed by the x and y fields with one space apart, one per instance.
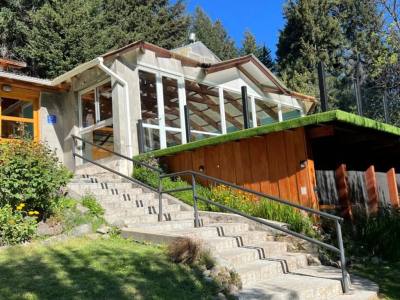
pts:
pixel 334 115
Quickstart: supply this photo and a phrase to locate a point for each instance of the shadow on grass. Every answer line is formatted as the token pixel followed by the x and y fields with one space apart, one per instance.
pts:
pixel 386 275
pixel 101 269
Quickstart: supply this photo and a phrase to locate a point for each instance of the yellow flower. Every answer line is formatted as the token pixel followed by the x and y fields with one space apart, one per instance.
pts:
pixel 36 212
pixel 18 208
pixel 31 213
pixel 22 205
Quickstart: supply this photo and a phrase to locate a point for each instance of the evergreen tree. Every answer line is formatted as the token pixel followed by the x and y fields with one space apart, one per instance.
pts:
pixel 66 33
pixel 249 44
pixel 213 35
pixel 311 33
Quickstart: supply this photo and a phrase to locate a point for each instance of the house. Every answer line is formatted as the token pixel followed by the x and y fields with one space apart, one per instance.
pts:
pixel 103 100
pixel 142 98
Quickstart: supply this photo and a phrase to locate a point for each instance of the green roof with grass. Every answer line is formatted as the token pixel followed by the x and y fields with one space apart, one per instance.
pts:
pixel 330 116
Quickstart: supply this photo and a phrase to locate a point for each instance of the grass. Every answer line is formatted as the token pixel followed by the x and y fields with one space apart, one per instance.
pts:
pixel 111 268
pixel 385 274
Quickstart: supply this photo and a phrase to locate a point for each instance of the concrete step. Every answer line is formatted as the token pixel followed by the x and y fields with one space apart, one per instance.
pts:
pixel 137 211
pixel 111 191
pixel 146 219
pixel 101 177
pixel 214 230
pixel 240 240
pixel 311 283
pixel 159 228
pixel 243 255
pixel 129 200
pixel 271 267
pixel 101 185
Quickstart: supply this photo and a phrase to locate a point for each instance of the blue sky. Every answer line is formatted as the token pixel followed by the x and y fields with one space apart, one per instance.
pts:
pixel 262 17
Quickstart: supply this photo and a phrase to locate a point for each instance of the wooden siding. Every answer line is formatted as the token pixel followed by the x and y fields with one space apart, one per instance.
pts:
pixel 270 163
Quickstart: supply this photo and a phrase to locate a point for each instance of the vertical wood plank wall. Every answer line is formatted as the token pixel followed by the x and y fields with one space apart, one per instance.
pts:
pixel 270 163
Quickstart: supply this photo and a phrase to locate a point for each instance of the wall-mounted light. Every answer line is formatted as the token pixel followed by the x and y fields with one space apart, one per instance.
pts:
pixel 6 88
pixel 303 164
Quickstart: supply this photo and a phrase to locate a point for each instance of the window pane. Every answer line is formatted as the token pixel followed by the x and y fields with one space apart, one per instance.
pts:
pixel 173 138
pixel 267 113
pixel 105 101
pixel 194 136
pixel 88 109
pixel 103 137
pixel 203 104
pixel 171 102
pixel 15 130
pixel 233 111
pixel 16 108
pixel 290 113
pixel 151 139
pixel 148 97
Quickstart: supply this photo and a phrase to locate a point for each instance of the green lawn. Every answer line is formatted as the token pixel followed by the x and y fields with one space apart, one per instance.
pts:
pixel 96 269
pixel 386 275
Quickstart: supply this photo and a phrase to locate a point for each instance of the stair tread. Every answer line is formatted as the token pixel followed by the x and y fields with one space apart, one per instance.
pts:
pixel 246 248
pixel 272 259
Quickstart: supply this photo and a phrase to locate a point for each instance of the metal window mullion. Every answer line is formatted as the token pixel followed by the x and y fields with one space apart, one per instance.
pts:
pixel 97 105
pixel 280 115
pixel 182 103
pixel 253 111
pixel 161 111
pixel 222 109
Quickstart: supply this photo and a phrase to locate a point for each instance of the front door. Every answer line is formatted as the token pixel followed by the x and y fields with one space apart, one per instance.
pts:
pixel 95 120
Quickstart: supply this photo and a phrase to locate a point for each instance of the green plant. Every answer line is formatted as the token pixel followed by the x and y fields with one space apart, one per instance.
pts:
pixel 30 173
pixel 94 207
pixel 254 206
pixel 15 226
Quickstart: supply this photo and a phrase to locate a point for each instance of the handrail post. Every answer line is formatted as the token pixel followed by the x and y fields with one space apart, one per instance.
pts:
pixel 73 150
pixel 160 204
pixel 196 211
pixel 141 137
pixel 345 281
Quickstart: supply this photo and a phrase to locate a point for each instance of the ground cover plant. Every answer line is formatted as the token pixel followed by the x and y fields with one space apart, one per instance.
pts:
pixel 112 268
pixel 255 206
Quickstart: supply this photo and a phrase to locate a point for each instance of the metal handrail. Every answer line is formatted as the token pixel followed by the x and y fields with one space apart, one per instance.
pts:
pixel 194 174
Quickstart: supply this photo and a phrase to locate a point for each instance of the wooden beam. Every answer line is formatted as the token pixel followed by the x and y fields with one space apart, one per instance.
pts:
pixel 268 110
pixel 343 191
pixel 392 185
pixel 320 131
pixel 372 190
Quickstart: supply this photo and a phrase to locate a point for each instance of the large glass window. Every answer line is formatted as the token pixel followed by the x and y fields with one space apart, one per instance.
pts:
pixel 171 102
pixel 290 113
pixel 16 119
pixel 148 98
pixel 233 111
pixel 204 110
pixel 266 112
pixel 96 105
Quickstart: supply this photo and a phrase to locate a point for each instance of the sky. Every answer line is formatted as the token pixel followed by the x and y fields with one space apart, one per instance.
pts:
pixel 262 17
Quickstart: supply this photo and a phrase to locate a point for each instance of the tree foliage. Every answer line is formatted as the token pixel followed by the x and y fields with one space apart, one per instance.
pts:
pixel 213 35
pixel 250 46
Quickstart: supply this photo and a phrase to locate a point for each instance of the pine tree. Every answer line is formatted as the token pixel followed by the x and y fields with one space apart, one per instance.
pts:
pixel 213 35
pixel 66 33
pixel 249 44
pixel 264 55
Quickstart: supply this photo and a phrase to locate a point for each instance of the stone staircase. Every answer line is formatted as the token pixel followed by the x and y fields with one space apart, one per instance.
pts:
pixel 266 267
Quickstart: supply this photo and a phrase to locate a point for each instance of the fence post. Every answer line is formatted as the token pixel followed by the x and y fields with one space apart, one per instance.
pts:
pixel 196 211
pixel 392 185
pixel 372 190
pixel 345 279
pixel 323 94
pixel 343 190
pixel 187 123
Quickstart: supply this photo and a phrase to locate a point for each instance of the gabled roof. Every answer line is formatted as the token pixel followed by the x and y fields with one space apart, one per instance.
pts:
pixel 198 51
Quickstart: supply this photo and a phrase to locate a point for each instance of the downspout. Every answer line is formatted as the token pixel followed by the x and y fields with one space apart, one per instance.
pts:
pixel 124 84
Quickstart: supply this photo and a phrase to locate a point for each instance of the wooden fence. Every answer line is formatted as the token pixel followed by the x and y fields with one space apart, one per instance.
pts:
pixel 349 190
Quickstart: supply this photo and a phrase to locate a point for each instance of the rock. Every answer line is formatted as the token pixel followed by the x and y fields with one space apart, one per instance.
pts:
pixel 221 296
pixel 103 229
pixel 82 230
pixel 313 260
pixel 83 210
pixel 233 290
pixel 206 273
pixel 44 229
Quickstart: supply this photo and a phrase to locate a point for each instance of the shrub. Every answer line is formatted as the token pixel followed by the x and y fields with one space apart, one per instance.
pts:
pixel 376 236
pixel 184 250
pixel 94 207
pixel 15 226
pixel 31 173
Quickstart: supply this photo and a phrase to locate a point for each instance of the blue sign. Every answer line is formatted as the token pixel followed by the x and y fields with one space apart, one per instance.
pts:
pixel 51 119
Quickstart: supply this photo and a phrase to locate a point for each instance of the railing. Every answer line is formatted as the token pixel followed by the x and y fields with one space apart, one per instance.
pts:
pixel 193 175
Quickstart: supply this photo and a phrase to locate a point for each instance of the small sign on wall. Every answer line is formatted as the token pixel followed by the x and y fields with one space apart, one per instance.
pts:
pixel 51 119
